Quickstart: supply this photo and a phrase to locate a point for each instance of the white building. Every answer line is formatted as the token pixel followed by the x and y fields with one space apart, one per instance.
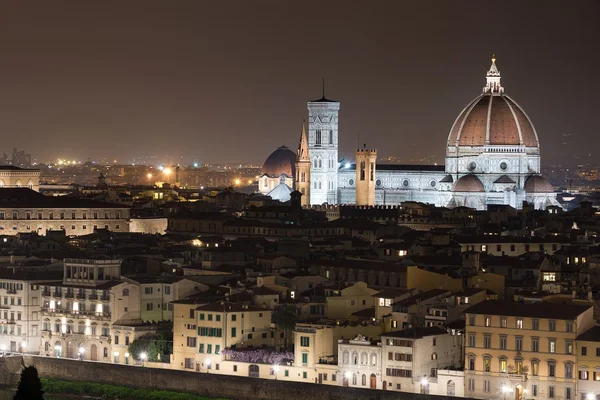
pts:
pixel 412 357
pixel 78 311
pixel 359 362
pixel 20 309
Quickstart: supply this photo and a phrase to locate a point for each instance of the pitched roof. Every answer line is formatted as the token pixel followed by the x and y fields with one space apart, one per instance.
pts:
pixel 531 310
pixel 591 335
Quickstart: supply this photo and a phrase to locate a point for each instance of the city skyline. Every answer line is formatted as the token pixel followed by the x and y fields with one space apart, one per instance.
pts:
pixel 190 79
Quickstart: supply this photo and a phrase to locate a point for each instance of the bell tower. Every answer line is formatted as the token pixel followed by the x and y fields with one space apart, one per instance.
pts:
pixel 366 160
pixel 303 168
pixel 323 147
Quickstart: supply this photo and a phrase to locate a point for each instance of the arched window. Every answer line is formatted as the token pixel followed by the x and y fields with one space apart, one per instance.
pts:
pixel 471 363
pixel 105 352
pixel 584 374
pixel 355 358
pixel 46 346
pixel 30 184
pixel 451 388
pixel 364 359
pixel 535 367
pixel 487 364
pixel 569 370
pixel 373 359
pixel 346 357
pixel 552 368
pixel 364 380
pixel 518 366
pixel 354 379
pixel 503 365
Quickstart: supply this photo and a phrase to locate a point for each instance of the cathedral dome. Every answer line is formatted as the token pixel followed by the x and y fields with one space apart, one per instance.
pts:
pixel 468 183
pixel 537 184
pixel 493 118
pixel 281 162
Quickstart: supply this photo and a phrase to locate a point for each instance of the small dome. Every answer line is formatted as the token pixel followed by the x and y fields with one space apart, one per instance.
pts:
pixel 468 183
pixel 537 184
pixel 281 162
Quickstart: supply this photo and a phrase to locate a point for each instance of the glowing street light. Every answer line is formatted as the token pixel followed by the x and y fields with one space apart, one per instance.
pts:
pixel 149 175
pixel 143 357
pixel 167 171
pixel 424 381
pixel 237 181
pixel 590 396
pixel 275 370
pixel 207 362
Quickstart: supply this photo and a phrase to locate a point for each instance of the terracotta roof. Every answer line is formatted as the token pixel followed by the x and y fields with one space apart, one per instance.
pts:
pixel 504 122
pixel 281 161
pixel 591 335
pixel 447 179
pixel 537 184
pixel 531 310
pixel 468 183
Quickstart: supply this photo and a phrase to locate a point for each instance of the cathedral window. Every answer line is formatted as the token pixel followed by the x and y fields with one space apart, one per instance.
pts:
pixel 320 163
pixel 362 170
pixel 303 177
pixel 318 137
pixel 331 138
pixel 503 166
pixel 372 171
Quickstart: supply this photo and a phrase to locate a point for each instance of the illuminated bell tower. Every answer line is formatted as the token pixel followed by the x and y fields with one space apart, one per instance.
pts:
pixel 303 168
pixel 323 149
pixel 366 160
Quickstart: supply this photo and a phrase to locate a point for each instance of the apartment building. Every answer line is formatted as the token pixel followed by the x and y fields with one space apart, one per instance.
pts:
pixel 78 312
pixel 24 210
pixel 157 293
pixel 20 309
pixel 201 334
pixel 359 362
pixel 523 350
pixel 412 357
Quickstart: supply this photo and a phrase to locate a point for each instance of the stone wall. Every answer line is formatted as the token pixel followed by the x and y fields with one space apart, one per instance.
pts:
pixel 237 388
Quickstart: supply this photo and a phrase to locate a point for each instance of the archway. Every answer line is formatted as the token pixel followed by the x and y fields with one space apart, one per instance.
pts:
pixel 58 349
pixel 253 371
pixel 384 385
pixel 519 392
pixel 345 382
pixel 373 381
pixel 450 388
pixel 94 353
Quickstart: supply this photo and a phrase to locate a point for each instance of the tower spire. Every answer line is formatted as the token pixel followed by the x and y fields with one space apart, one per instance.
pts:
pixel 303 144
pixel 493 79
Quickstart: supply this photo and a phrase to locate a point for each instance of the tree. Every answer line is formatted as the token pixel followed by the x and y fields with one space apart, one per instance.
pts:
pixel 157 346
pixel 30 386
pixel 284 317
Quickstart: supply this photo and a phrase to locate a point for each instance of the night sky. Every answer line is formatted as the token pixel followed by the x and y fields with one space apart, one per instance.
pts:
pixel 222 81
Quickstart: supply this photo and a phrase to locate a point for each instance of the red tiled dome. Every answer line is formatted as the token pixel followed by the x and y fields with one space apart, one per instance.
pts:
pixel 537 184
pixel 503 122
pixel 468 183
pixel 281 161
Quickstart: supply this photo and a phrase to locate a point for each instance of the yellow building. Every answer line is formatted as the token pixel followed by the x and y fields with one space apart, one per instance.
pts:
pixel 352 299
pixel 202 332
pixel 523 351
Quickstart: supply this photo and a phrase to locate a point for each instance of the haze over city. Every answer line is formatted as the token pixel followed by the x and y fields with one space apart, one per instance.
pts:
pixel 228 81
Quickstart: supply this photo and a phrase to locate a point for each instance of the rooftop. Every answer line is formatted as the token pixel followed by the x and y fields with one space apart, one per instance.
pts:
pixel 415 333
pixel 531 310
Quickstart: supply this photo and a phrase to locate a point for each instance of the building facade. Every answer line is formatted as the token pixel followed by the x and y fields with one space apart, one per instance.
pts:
pixel 523 351
pixel 23 210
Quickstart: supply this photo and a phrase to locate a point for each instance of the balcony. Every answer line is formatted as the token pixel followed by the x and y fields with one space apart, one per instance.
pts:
pixel 81 296
pixel 57 295
pixel 69 295
pixel 11 291
pixel 93 297
pixel 105 298
pixel 46 293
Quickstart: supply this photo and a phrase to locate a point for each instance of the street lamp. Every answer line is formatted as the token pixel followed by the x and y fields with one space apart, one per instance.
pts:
pixel 590 396
pixel 207 362
pixel 57 350
pixel 3 348
pixel 80 352
pixel 126 358
pixel 23 346
pixel 143 357
pixel 424 383
pixel 275 370
pixel 506 389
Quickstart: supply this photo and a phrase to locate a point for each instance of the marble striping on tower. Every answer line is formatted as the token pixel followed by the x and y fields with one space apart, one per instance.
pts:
pixel 323 150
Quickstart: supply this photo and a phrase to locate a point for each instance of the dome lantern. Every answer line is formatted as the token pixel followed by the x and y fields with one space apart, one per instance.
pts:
pixel 492 77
